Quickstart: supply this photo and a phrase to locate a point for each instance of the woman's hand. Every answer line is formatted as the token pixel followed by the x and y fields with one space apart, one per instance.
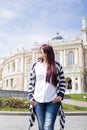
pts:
pixel 32 102
pixel 57 99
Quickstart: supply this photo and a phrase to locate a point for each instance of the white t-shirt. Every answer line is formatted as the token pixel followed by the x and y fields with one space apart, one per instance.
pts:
pixel 44 92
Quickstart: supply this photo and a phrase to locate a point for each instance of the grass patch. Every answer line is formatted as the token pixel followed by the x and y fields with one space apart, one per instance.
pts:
pixel 78 97
pixel 68 107
pixel 14 109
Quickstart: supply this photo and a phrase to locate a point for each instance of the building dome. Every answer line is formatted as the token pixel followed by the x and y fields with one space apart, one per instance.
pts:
pixel 57 37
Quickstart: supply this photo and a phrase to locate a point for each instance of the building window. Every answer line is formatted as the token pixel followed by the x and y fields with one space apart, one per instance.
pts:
pixel 12 82
pixel 76 78
pixel 8 67
pixel 86 79
pixel 71 58
pixel 27 64
pixel 57 57
pixel 13 66
pixel 19 65
pixel 7 83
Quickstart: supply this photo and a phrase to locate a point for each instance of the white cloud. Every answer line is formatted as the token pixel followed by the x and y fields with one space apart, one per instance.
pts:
pixel 7 14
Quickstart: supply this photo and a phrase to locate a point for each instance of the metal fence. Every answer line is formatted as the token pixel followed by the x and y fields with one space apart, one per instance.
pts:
pixel 13 93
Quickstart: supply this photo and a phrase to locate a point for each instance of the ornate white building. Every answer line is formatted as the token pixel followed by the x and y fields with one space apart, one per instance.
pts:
pixel 15 69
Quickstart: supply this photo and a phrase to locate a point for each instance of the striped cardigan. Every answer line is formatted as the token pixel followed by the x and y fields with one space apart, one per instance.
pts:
pixel 61 85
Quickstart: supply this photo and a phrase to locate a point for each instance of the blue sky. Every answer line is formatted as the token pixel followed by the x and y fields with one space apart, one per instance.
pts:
pixel 24 22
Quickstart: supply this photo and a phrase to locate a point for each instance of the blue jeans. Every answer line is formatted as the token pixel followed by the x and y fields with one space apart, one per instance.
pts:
pixel 46 114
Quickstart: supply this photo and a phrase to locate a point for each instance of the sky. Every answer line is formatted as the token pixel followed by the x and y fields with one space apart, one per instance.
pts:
pixel 26 22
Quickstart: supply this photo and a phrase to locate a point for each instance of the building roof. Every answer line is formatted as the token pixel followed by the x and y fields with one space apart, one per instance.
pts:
pixel 57 37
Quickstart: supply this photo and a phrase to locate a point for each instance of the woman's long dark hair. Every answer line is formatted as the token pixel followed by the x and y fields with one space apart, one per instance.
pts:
pixel 51 75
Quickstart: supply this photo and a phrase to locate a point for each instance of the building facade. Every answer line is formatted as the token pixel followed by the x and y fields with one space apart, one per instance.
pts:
pixel 15 69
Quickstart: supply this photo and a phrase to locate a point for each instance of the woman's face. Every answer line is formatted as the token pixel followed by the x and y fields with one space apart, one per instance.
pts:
pixel 42 54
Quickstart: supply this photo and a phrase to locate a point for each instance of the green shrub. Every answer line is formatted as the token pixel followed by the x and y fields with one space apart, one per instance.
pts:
pixel 14 103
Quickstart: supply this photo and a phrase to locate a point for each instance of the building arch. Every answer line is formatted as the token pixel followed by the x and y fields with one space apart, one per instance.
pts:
pixel 68 83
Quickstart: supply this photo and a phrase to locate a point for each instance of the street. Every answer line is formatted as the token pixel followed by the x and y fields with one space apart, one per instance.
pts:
pixel 20 122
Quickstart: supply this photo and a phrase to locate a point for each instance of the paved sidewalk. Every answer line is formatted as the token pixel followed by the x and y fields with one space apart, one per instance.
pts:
pixel 76 103
pixel 9 122
pixel 68 113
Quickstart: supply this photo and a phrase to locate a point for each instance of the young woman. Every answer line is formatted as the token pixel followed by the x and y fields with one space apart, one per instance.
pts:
pixel 46 87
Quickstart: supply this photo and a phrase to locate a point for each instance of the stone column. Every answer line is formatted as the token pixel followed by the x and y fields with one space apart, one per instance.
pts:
pixel 64 58
pixel 73 85
pixel 79 84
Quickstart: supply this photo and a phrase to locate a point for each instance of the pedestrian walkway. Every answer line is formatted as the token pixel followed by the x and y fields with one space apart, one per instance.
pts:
pixel 12 122
pixel 74 102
